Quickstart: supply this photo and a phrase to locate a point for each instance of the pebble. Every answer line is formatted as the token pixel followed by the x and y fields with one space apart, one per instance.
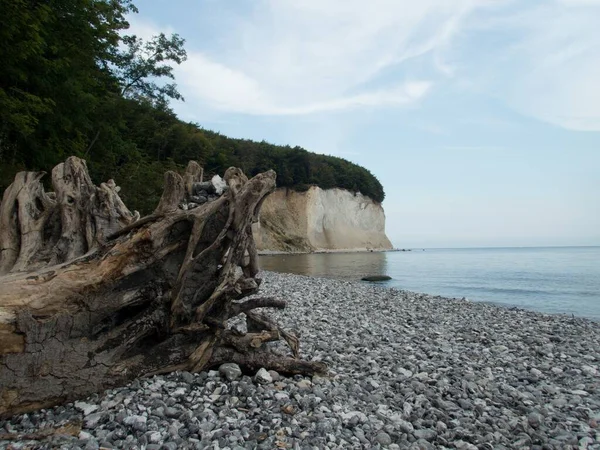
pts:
pixel 407 371
pixel 383 438
pixel 230 371
pixel 263 376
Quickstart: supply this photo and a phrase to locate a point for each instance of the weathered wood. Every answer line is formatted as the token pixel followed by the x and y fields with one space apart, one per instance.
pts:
pixel 91 297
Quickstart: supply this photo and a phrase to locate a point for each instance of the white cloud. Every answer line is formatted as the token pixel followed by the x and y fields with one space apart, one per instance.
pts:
pixel 145 29
pixel 231 90
pixel 308 56
pixel 291 57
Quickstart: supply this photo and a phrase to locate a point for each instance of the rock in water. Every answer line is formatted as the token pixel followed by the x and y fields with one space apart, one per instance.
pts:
pixel 376 278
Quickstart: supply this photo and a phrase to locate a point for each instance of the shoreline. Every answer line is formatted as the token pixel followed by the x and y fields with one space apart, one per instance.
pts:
pixel 407 370
pixel 321 251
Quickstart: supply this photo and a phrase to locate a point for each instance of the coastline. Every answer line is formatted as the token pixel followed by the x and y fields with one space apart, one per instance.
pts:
pixel 407 370
pixel 319 251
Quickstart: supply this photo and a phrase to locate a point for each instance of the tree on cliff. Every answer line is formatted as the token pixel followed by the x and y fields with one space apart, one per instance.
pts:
pixel 74 83
pixel 67 68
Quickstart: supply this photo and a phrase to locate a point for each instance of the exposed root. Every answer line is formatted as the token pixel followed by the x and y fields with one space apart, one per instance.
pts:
pixel 115 297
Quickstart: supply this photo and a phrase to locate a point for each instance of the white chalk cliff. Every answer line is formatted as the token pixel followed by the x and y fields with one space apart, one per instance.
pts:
pixel 331 219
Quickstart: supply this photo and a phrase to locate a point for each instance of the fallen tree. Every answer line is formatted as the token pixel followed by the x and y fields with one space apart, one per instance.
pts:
pixel 92 296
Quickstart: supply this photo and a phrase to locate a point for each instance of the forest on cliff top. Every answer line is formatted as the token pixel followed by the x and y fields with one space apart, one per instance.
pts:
pixel 73 82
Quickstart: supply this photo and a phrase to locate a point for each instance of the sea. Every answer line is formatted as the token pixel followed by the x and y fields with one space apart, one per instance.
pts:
pixel 555 280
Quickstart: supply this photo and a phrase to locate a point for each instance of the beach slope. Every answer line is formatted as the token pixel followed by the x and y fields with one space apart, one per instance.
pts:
pixel 407 371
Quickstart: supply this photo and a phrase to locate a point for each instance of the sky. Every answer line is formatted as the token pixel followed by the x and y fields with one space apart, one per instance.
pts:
pixel 481 118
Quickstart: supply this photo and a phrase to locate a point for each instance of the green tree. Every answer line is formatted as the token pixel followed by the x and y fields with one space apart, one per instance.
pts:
pixel 142 64
pixel 73 83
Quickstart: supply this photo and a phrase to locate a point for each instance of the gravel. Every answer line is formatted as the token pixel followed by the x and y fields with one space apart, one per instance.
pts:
pixel 407 370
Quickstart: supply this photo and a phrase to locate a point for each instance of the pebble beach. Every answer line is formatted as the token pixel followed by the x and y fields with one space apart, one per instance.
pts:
pixel 407 371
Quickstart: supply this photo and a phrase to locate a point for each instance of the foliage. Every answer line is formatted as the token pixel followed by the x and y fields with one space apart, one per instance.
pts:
pixel 73 83
pixel 142 63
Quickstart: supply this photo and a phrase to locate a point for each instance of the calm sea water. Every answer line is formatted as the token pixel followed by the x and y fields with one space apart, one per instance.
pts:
pixel 557 280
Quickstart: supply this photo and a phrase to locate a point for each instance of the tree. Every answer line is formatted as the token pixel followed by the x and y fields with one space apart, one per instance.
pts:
pixel 73 83
pixel 65 76
pixel 54 59
pixel 143 63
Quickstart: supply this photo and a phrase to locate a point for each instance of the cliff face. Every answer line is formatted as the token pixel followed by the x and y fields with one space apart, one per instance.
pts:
pixel 332 219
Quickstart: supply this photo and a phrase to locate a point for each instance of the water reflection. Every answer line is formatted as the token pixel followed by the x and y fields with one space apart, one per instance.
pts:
pixel 334 265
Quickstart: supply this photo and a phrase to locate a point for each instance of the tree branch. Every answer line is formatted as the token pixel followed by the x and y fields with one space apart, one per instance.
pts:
pixel 257 359
pixel 261 302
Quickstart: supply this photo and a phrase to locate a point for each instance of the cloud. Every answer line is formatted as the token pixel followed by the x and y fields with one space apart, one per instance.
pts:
pixel 230 90
pixel 550 67
pixel 305 56
pixel 145 29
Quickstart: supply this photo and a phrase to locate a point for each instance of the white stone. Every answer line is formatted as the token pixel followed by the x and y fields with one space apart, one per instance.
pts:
pixel 304 384
pixel 402 371
pixel 499 348
pixel 263 376
pixel 84 435
pixel 580 392
pixel 155 437
pixel 92 420
pixel 589 370
pixel 536 373
pixel 462 445
pixel 346 417
pixel 402 424
pixel 86 408
pixel 231 371
pixel 135 421
pixel 178 392
pixel 219 184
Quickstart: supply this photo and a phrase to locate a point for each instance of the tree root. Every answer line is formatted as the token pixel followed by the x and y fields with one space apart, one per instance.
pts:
pixel 92 296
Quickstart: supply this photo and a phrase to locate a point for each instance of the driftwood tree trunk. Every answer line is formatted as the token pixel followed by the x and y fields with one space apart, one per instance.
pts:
pixel 92 296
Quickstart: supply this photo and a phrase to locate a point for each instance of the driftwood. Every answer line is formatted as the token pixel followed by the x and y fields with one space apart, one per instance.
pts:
pixel 92 296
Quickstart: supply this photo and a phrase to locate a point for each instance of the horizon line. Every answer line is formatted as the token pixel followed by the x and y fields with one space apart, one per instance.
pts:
pixel 499 246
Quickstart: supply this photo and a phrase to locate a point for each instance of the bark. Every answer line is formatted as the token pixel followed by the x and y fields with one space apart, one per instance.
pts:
pixel 91 296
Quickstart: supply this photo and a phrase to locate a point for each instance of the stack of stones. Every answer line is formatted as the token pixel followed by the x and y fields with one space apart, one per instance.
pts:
pixel 206 191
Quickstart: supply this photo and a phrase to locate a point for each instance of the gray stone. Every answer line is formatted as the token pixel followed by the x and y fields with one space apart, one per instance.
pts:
pixel 137 422
pixel 230 371
pixel 188 377
pixel 172 412
pixel 536 372
pixel 425 434
pixel 92 444
pixel 383 438
pixel 274 375
pixel 535 419
pixel 92 420
pixel 424 370
pixel 155 437
pixel 304 384
pixel 404 426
